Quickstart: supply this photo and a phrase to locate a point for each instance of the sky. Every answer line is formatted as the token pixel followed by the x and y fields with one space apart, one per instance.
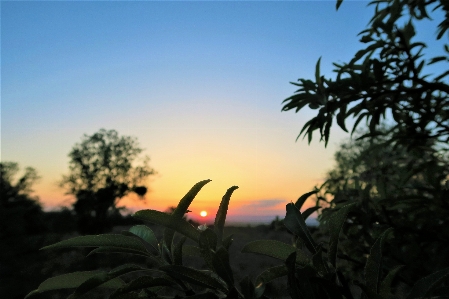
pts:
pixel 199 84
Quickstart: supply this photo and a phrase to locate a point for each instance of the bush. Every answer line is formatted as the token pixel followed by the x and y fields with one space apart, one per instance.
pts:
pixel 310 269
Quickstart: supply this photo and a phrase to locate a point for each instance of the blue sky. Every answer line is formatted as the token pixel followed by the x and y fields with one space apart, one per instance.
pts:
pixel 200 84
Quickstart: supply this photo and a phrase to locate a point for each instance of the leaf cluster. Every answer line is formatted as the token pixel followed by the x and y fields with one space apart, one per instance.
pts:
pixel 310 269
pixel 384 78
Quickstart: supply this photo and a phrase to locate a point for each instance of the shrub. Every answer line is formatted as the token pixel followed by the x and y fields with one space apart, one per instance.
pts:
pixel 310 269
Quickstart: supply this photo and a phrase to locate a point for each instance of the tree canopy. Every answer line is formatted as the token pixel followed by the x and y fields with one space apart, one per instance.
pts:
pixel 103 169
pixel 386 77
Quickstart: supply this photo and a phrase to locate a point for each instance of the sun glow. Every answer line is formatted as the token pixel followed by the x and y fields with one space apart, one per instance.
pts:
pixel 203 213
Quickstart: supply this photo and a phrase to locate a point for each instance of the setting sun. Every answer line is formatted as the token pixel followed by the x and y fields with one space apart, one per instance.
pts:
pixel 203 213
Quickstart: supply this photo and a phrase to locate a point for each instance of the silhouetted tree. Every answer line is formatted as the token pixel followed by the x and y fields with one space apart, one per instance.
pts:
pixel 102 171
pixel 21 231
pixel 394 174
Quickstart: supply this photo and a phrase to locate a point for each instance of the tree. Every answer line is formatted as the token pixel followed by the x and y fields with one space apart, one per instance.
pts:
pixel 384 77
pixel 102 171
pixel 394 174
pixel 391 187
pixel 22 228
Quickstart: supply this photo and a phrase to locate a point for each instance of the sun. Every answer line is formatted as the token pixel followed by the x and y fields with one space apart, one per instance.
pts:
pixel 203 213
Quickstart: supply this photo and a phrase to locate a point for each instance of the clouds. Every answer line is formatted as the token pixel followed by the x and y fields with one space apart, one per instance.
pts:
pixel 263 206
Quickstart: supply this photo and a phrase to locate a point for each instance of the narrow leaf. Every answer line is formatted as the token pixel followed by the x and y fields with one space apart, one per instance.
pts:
pixel 146 234
pixel 71 281
pixel 142 282
pixel 374 263
pixel 295 223
pixel 181 209
pixel 385 286
pixel 179 225
pixel 101 278
pixel 425 285
pixel 222 266
pixel 339 2
pixel 309 212
pixel 293 286
pixel 271 274
pixel 220 218
pixel 302 199
pixel 106 240
pixel 177 252
pixel 275 249
pixel 336 222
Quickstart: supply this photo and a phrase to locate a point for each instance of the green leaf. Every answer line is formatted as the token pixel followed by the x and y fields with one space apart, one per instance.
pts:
pixel 425 285
pixel 385 286
pixel 220 218
pixel 319 263
pixel 208 243
pixel 142 282
pixel 222 266
pixel 101 278
pixel 106 240
pixel 228 241
pixel 73 280
pixel 271 274
pixel 177 252
pixel 302 199
pixel 179 225
pixel 146 234
pixel 194 276
pixel 275 249
pixel 124 250
pixel 295 223
pixel 374 263
pixel 336 221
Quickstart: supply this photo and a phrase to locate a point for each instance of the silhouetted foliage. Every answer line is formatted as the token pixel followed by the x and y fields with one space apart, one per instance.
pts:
pixel 393 175
pixel 22 224
pixel 102 171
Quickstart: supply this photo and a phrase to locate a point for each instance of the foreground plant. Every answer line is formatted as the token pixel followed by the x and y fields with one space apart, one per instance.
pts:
pixel 310 273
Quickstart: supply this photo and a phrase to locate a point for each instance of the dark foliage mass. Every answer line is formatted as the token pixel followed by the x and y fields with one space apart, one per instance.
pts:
pixel 102 171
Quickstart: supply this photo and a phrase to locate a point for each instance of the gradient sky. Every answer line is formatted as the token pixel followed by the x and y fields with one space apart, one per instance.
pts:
pixel 200 84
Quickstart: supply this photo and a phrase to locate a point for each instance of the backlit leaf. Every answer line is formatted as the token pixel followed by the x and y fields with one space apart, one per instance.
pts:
pixel 336 221
pixel 220 218
pixel 295 223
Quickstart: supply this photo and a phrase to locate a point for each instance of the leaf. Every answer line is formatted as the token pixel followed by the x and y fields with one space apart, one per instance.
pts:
pixel 105 240
pixel 247 288
pixel 309 212
pixel 73 280
pixel 101 278
pixel 208 243
pixel 302 199
pixel 271 274
pixel 336 221
pixel 292 283
pixel 228 241
pixel 374 263
pixel 275 249
pixel 194 276
pixel 177 252
pixel 385 286
pixel 339 2
pixel 179 225
pixel 426 284
pixel 146 234
pixel 341 116
pixel 220 218
pixel 319 263
pixel 181 209
pixel 139 283
pixel 222 267
pixel 317 72
pixel 295 223
pixel 123 250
